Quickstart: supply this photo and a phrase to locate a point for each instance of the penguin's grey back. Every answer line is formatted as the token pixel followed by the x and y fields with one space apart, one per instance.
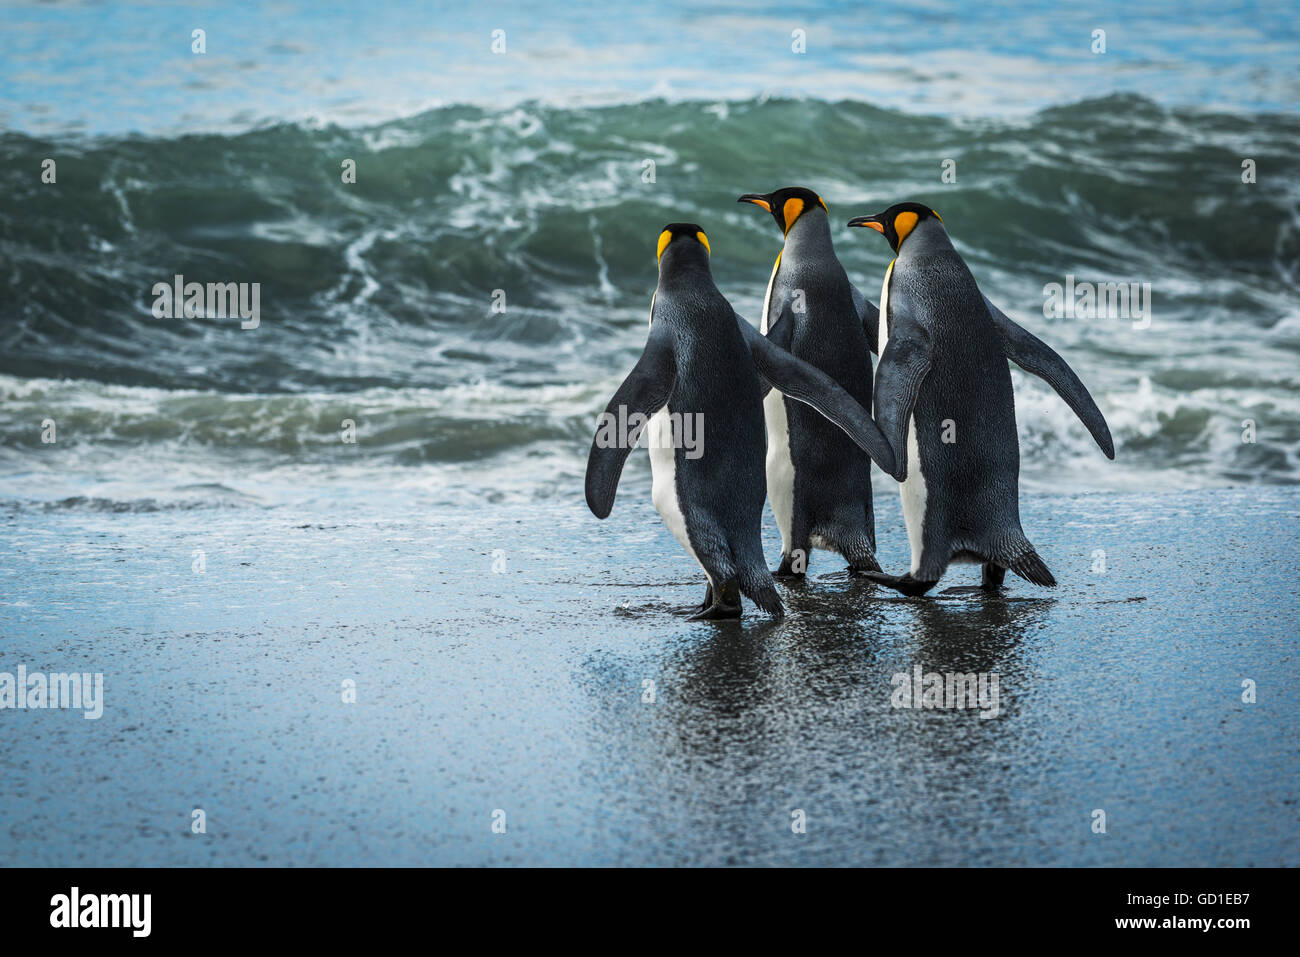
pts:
pixel 964 417
pixel 721 492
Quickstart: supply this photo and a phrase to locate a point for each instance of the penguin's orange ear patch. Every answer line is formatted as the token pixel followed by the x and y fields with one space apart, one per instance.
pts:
pixel 704 241
pixel 791 211
pixel 664 239
pixel 823 202
pixel 904 223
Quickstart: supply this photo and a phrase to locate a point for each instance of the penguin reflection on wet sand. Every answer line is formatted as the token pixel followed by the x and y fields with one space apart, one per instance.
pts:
pixel 818 482
pixel 944 400
pixel 705 364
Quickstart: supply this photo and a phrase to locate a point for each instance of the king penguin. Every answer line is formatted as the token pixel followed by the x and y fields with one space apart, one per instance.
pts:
pixel 704 364
pixel 818 482
pixel 943 398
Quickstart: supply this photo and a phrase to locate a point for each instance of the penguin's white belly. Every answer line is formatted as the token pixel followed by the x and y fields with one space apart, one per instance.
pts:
pixel 780 466
pixel 912 489
pixel 913 493
pixel 663 466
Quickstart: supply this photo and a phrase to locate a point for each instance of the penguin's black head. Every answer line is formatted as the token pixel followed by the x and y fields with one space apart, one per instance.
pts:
pixel 786 204
pixel 897 221
pixel 686 236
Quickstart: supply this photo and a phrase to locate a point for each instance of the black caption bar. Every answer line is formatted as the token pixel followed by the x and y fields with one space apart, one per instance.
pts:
pixel 269 905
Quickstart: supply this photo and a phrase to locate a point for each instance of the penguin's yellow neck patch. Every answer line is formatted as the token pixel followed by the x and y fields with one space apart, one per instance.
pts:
pixel 664 239
pixel 904 223
pixel 704 241
pixel 791 211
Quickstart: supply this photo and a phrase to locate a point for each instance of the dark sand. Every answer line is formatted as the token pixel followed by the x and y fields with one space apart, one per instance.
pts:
pixel 521 690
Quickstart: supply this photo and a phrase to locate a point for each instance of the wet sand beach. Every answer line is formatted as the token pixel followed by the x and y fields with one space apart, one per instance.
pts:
pixel 522 689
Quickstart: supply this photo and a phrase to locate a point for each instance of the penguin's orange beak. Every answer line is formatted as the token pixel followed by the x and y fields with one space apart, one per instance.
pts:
pixel 870 221
pixel 758 199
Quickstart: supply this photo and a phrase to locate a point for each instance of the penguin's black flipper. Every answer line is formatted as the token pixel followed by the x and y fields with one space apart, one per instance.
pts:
pixel 807 384
pixel 1038 358
pixel 779 334
pixel 645 391
pixel 870 317
pixel 899 373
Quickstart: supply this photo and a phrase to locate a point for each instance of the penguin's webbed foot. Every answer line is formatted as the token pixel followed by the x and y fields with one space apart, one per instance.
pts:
pixel 901 583
pixel 716 612
pixel 993 576
pixel 788 572
pixel 690 610
pixel 719 604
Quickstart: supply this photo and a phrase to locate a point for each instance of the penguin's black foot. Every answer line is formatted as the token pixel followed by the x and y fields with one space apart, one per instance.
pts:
pixel 993 577
pixel 790 570
pixel 717 612
pixel 902 583
pixel 696 609
pixel 720 604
